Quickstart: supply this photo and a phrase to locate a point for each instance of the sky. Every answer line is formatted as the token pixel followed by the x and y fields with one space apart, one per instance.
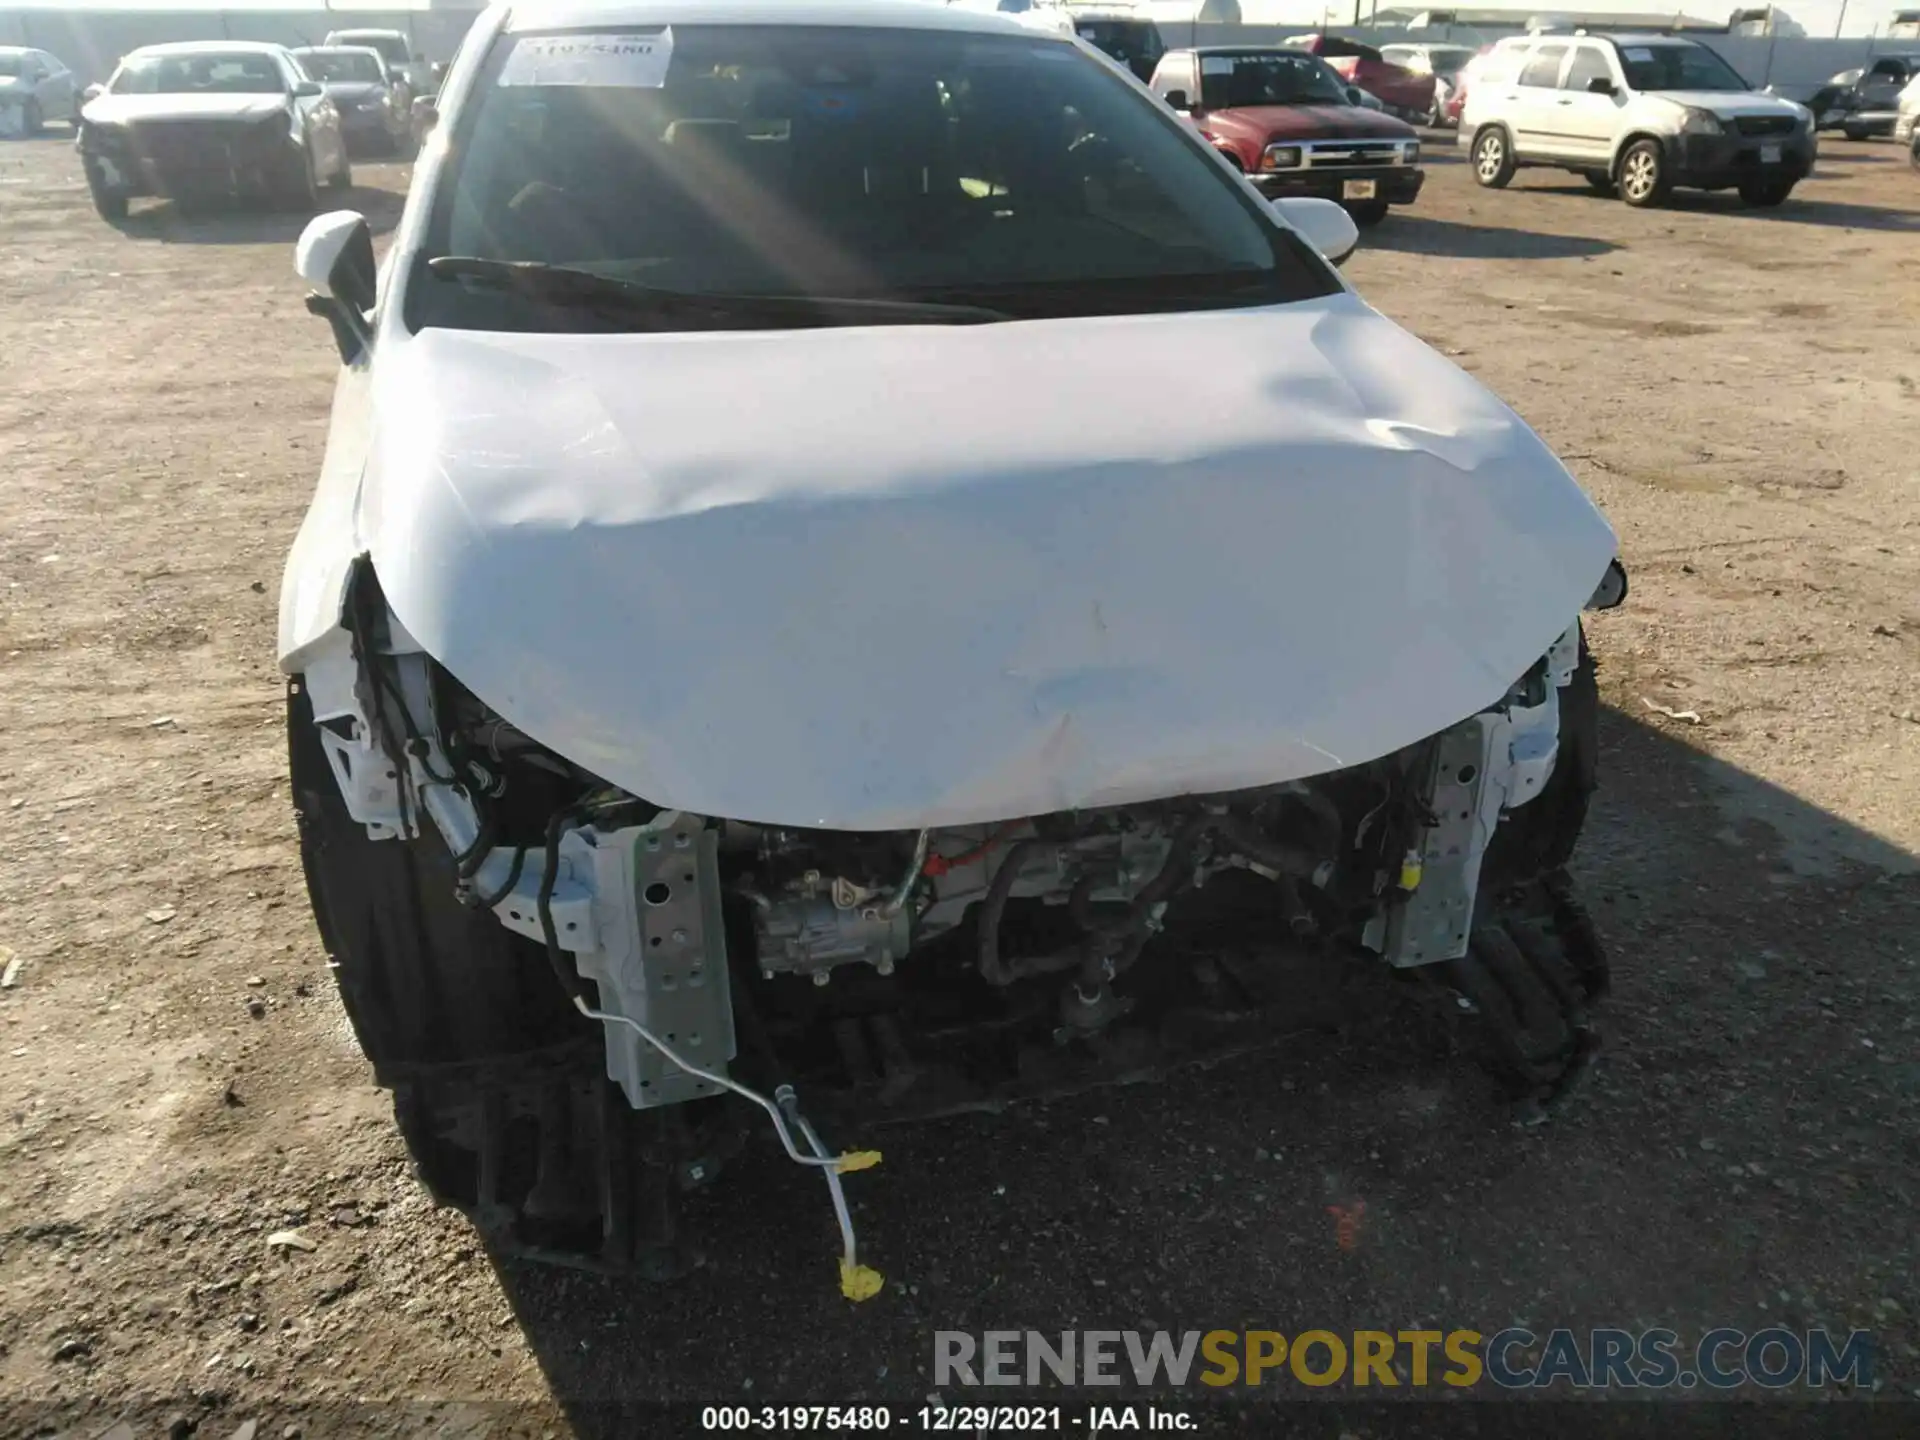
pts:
pixel 1819 17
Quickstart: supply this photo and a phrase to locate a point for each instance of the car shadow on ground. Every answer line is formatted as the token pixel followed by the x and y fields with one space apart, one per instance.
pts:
pixel 1731 910
pixel 1416 234
pixel 237 223
pixel 1797 209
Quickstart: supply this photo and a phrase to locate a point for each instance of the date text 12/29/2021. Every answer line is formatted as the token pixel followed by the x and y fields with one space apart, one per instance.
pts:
pixel 948 1420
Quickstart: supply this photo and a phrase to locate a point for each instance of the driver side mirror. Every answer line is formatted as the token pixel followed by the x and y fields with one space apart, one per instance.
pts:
pixel 306 89
pixel 335 256
pixel 1353 95
pixel 1600 85
pixel 1321 223
pixel 92 93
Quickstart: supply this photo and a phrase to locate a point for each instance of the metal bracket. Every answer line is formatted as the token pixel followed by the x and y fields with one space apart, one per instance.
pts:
pixel 662 954
pixel 368 777
pixel 1433 921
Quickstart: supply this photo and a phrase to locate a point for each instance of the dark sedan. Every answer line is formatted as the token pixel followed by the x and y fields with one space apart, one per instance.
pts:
pixel 375 113
pixel 211 121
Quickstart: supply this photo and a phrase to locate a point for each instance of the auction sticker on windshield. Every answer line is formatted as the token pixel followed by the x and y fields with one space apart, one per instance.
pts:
pixel 634 62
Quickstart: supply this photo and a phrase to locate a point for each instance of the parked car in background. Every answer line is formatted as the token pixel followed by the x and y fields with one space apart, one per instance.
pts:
pixel 1869 105
pixel 1462 83
pixel 1645 113
pixel 211 119
pixel 1906 114
pixel 405 64
pixel 1294 126
pixel 1128 35
pixel 1406 93
pixel 38 87
pixel 1051 15
pixel 375 113
pixel 1443 62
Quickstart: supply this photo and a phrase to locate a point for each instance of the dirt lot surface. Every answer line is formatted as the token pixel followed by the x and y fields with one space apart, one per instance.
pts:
pixel 1738 389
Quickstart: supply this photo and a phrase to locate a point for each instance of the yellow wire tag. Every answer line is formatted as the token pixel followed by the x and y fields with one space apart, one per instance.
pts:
pixel 859 1282
pixel 857 1160
pixel 1410 869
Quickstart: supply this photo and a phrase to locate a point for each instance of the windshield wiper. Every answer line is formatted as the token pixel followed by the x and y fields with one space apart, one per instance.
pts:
pixel 565 285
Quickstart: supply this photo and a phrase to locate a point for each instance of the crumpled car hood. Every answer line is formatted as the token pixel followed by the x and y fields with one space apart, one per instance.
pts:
pixel 137 109
pixel 882 578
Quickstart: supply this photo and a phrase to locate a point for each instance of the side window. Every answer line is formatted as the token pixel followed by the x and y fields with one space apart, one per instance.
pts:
pixel 1589 64
pixel 1544 67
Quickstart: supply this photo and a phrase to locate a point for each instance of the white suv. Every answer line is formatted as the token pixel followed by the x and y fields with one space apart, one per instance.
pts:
pixel 1644 113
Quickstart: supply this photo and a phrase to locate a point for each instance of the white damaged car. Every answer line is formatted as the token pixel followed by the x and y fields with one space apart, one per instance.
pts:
pixel 837 523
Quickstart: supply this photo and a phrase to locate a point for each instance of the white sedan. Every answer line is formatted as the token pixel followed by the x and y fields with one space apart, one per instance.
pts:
pixel 34 88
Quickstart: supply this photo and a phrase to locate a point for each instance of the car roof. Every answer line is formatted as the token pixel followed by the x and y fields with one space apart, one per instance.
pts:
pixel 209 47
pixel 1257 47
pixel 858 14
pixel 336 50
pixel 383 33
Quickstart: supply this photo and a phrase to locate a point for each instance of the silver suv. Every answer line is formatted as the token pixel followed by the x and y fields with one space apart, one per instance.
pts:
pixel 1640 113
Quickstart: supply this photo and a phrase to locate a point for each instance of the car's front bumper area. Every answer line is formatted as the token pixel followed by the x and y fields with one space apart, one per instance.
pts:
pixel 204 162
pixel 364 126
pixel 1721 162
pixel 1396 185
pixel 1872 122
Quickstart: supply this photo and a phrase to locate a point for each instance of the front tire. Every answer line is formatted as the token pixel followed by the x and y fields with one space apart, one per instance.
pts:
pixel 1766 194
pixel 499 1088
pixel 1855 133
pixel 1367 213
pixel 296 189
pixel 1493 162
pixel 109 202
pixel 31 120
pixel 1644 181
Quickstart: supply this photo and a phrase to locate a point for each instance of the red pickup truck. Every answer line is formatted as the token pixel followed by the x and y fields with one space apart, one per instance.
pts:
pixel 1288 121
pixel 1405 91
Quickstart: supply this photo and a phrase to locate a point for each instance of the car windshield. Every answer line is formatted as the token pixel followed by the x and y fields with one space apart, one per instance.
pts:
pixel 1131 42
pixel 210 73
pixel 340 66
pixel 392 48
pixel 839 162
pixel 1268 78
pixel 1678 67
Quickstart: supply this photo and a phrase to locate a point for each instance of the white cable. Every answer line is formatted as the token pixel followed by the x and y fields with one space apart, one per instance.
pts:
pixel 840 1210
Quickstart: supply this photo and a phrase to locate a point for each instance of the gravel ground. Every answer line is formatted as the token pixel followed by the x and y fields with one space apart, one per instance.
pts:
pixel 1739 391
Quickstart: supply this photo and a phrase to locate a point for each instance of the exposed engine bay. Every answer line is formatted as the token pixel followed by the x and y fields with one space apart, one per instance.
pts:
pixel 920 963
